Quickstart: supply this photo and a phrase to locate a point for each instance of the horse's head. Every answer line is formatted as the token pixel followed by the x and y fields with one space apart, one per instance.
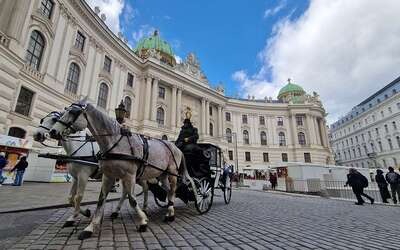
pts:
pixel 71 121
pixel 46 124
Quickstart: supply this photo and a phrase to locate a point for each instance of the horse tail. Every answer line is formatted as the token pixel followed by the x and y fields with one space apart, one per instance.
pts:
pixel 183 172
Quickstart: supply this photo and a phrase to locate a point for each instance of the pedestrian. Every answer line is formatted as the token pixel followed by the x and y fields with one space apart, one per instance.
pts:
pixel 382 185
pixel 393 179
pixel 20 167
pixel 3 163
pixel 358 182
pixel 274 180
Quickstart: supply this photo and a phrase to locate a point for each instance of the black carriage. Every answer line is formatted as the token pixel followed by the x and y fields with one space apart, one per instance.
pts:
pixel 206 171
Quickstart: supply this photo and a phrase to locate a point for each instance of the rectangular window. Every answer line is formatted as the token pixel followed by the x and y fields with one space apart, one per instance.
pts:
pixel 299 120
pixel 280 121
pixel 161 92
pixel 129 80
pixel 107 64
pixel 265 157
pixel 230 154
pixel 24 101
pixel 244 119
pixel 307 157
pixel 382 114
pixel 377 131
pixel 247 156
pixel 210 110
pixel 46 7
pixel 386 128
pixel 390 109
pixel 394 125
pixel 228 116
pixel 80 41
pixel 262 120
pixel 284 157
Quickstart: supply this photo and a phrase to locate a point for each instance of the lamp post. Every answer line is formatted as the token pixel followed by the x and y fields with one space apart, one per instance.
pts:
pixel 120 112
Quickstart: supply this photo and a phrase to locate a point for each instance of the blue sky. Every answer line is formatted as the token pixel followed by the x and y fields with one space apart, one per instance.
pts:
pixel 254 46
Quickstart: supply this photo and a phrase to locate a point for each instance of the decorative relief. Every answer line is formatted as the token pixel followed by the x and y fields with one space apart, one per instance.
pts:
pixel 4 40
pixel 191 66
pixel 77 55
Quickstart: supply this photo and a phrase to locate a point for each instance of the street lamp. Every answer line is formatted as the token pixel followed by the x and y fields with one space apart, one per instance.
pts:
pixel 120 112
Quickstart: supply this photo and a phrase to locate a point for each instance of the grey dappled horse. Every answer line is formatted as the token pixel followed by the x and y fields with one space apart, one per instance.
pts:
pixel 162 156
pixel 78 146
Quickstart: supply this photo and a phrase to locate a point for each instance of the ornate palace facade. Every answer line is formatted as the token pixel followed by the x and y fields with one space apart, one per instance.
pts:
pixel 54 52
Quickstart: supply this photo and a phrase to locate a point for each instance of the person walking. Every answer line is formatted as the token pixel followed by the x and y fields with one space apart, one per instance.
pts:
pixel 20 167
pixel 382 185
pixel 274 180
pixel 3 163
pixel 393 179
pixel 358 182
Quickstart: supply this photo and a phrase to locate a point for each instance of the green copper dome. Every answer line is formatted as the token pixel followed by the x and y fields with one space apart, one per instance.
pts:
pixel 290 88
pixel 154 42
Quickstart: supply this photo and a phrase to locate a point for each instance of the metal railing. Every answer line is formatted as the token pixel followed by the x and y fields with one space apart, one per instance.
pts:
pixel 328 188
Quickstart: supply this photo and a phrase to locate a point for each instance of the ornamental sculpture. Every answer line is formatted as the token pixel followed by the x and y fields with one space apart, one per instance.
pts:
pixel 191 66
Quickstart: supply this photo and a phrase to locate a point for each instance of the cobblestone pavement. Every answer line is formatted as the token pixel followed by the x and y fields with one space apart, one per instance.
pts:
pixel 253 220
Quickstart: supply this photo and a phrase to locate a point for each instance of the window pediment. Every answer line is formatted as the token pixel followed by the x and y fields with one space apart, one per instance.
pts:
pixel 78 55
pixel 105 75
pixel 43 22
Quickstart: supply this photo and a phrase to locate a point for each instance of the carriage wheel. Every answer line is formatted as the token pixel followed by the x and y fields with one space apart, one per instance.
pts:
pixel 205 195
pixel 228 190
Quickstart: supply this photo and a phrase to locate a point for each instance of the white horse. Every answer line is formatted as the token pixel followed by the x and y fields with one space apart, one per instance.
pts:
pixel 124 157
pixel 80 171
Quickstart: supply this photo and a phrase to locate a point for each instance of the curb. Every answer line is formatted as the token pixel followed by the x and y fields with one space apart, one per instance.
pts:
pixel 54 206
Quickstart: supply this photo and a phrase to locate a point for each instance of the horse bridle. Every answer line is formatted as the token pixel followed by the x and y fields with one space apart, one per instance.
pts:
pixel 76 113
pixel 57 117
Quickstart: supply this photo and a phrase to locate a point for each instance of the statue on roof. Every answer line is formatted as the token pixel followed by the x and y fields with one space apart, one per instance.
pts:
pixel 191 66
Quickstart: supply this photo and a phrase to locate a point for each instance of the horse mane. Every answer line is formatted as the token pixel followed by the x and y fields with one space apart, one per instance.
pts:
pixel 108 124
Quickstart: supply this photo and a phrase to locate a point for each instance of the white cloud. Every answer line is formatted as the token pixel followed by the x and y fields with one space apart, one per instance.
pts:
pixel 273 11
pixel 112 9
pixel 130 13
pixel 178 59
pixel 344 50
pixel 144 30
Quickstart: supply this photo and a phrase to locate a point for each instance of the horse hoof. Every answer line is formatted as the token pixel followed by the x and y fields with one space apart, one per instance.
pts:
pixel 142 228
pixel 68 223
pixel 169 218
pixel 84 235
pixel 87 213
pixel 114 215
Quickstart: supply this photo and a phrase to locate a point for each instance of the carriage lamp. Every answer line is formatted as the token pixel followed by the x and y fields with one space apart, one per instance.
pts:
pixel 120 113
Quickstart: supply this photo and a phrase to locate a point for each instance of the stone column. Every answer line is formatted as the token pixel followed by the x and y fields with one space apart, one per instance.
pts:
pixel 147 98
pixel 293 126
pixel 220 122
pixel 55 50
pixel 271 131
pixel 203 116
pixel 18 14
pixel 207 121
pixel 62 66
pixel 323 133
pixel 154 97
pixel 311 129
pixel 317 136
pixel 85 83
pixel 179 107
pixel 173 108
pixel 140 81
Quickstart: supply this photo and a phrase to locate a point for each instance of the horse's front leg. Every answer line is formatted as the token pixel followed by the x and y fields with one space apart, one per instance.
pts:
pixel 145 188
pixel 71 200
pixel 107 184
pixel 170 216
pixel 129 181
pixel 114 214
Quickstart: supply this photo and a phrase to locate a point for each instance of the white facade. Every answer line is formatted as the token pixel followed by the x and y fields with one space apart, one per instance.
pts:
pixel 159 95
pixel 369 136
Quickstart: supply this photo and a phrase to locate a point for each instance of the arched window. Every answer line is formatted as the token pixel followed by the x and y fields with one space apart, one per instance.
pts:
pixel 160 116
pixel 246 137
pixel 17 132
pixel 35 50
pixel 128 106
pixel 282 140
pixel 211 129
pixel 302 138
pixel 73 78
pixel 229 135
pixel 103 96
pixel 263 138
pixel 164 137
